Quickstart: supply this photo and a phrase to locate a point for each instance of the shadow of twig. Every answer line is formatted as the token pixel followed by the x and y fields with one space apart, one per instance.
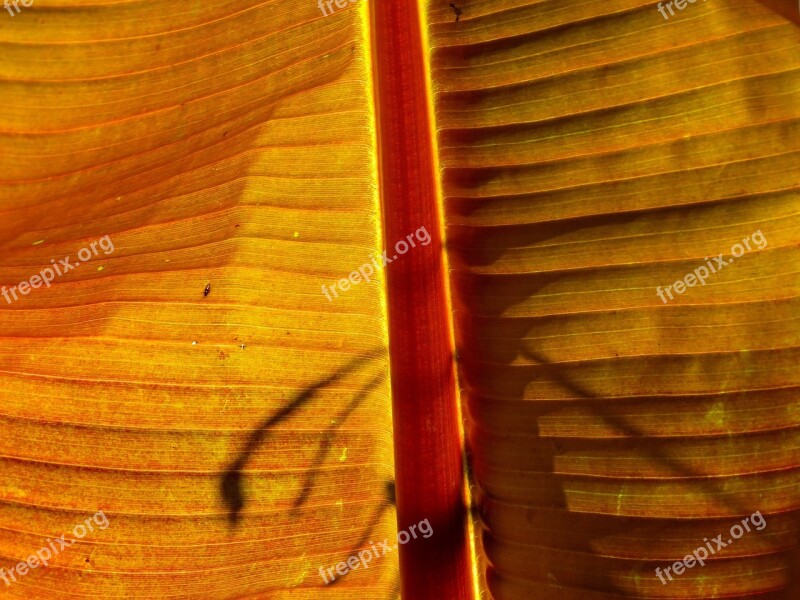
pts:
pixel 327 437
pixel 231 484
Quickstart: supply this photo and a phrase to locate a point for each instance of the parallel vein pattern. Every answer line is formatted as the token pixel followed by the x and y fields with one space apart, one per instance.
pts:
pixel 593 152
pixel 237 441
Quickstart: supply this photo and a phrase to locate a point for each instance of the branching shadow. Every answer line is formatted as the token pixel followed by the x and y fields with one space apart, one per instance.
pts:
pixel 231 485
pixel 708 486
pixel 327 438
pixel 558 539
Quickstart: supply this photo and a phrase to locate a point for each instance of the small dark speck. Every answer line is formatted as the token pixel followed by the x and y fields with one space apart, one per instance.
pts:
pixel 456 10
pixel 207 291
pixel 236 225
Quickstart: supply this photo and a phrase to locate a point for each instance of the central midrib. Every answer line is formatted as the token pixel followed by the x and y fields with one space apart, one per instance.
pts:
pixel 427 428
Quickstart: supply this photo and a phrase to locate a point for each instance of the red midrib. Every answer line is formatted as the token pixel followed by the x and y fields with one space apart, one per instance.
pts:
pixel 430 483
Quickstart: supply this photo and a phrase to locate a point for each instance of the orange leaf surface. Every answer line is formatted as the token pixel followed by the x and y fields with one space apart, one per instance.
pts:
pixel 593 154
pixel 237 441
pixel 540 381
